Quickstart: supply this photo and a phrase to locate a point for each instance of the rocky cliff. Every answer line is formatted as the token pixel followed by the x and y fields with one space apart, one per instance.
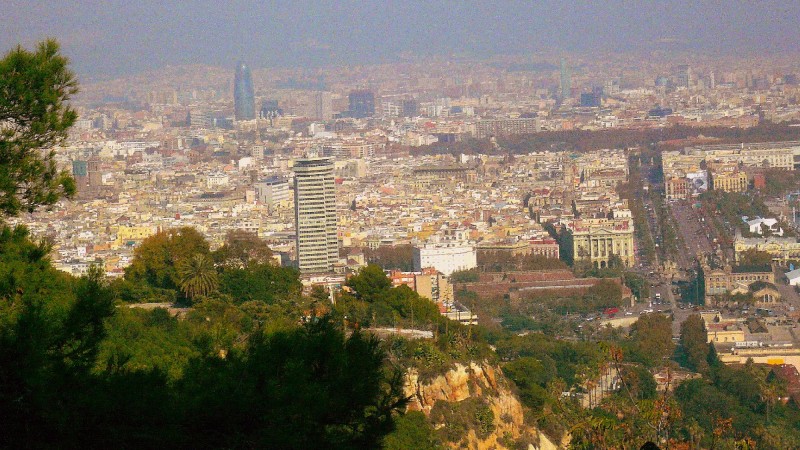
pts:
pixel 458 403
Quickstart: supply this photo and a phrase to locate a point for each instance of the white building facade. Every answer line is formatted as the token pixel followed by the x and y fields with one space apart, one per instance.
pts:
pixel 445 257
pixel 315 215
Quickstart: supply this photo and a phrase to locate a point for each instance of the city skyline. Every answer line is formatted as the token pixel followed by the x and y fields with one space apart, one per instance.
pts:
pixel 400 225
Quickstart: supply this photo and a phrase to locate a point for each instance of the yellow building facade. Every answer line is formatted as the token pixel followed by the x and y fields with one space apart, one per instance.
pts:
pixel 781 248
pixel 127 234
pixel 734 181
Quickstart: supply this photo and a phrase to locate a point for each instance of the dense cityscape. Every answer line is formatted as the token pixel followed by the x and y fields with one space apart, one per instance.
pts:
pixel 541 251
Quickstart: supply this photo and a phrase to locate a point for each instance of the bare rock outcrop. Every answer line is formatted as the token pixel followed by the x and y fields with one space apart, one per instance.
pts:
pixel 477 381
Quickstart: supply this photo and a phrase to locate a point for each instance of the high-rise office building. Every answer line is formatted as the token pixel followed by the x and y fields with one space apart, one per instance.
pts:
pixel 80 170
pixel 200 118
pixel 244 99
pixel 88 179
pixel 400 108
pixel 566 80
pixel 270 109
pixel 362 104
pixel 323 105
pixel 591 99
pixel 315 215
pixel 683 76
pixel 410 108
pixel 273 192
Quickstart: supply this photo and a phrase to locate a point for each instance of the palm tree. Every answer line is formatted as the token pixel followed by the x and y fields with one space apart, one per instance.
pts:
pixel 197 276
pixel 770 394
pixel 695 432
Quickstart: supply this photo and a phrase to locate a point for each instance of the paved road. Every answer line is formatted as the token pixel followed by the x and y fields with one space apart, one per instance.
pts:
pixel 695 234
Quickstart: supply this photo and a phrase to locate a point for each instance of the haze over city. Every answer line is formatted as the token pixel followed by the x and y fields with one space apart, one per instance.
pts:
pixel 122 37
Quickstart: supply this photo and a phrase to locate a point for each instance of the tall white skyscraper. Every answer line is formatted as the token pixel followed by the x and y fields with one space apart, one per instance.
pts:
pixel 315 215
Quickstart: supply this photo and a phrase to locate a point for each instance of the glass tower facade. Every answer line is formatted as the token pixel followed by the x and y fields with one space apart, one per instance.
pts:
pixel 244 99
pixel 362 104
pixel 566 80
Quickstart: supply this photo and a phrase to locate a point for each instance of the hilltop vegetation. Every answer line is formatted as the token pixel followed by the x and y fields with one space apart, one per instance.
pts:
pixel 77 370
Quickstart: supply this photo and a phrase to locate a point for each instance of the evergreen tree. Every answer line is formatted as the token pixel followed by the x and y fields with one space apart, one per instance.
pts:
pixel 35 88
pixel 694 344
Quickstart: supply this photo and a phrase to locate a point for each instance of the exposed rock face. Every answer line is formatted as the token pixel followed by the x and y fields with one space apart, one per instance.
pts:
pixel 477 380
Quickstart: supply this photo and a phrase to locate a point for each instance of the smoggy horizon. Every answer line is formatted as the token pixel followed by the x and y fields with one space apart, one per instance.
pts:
pixel 118 38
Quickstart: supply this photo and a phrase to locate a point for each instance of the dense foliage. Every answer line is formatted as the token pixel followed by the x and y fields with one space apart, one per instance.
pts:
pixel 242 249
pixel 413 431
pixel 620 138
pixel 694 344
pixel 465 276
pixel 752 260
pixel 35 115
pixel 502 263
pixel 397 257
pixel 372 301
pixel 156 259
pixel 779 182
pixel 632 191
pixel 726 210
pixel 77 371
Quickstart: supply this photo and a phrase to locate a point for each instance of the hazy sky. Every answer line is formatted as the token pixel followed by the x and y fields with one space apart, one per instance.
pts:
pixel 123 36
